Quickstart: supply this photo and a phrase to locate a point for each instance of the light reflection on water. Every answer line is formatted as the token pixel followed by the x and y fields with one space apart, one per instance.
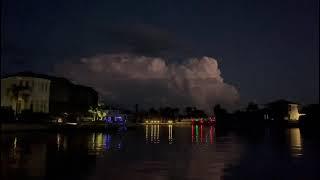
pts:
pixel 99 143
pixel 152 133
pixel 170 138
pixel 154 151
pixel 205 132
pixel 14 148
pixel 61 141
pixel 204 136
pixel 296 143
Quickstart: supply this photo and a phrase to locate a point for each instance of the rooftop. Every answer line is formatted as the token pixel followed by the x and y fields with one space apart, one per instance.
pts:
pixel 44 76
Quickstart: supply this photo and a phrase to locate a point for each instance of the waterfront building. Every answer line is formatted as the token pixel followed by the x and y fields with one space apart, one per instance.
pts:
pixel 25 92
pixel 282 110
pixel 45 94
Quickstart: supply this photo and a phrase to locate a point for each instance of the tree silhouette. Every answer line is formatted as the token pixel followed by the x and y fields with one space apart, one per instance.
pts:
pixel 221 115
pixel 188 111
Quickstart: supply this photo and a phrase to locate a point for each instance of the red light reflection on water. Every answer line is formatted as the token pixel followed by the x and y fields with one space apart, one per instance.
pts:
pixel 203 134
pixel 211 134
pixel 192 133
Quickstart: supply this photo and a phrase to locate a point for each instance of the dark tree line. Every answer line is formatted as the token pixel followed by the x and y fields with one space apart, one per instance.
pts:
pixel 274 113
pixel 170 113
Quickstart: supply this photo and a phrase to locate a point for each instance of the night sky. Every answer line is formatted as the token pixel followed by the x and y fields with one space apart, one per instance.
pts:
pixel 265 49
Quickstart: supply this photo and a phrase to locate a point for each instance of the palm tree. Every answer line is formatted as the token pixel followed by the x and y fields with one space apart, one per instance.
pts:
pixel 19 92
pixel 188 111
pixel 175 112
pixel 97 113
pixel 94 112
pixel 152 113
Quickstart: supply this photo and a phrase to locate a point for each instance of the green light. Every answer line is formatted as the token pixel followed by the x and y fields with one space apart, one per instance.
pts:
pixel 197 133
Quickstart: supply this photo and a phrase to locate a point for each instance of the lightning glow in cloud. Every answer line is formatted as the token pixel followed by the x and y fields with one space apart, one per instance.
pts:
pixel 151 81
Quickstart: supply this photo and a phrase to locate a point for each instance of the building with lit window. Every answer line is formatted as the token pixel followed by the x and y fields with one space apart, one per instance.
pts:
pixel 282 110
pixel 45 94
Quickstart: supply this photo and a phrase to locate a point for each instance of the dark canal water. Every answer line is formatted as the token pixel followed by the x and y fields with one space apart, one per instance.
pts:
pixel 160 153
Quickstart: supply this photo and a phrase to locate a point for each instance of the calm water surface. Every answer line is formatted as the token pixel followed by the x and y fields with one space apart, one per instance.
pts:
pixel 161 152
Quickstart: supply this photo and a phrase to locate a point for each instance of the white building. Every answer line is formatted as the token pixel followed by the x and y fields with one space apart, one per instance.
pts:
pixel 293 112
pixel 25 93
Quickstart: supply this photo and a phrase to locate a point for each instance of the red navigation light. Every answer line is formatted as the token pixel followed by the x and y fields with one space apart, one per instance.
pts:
pixel 192 133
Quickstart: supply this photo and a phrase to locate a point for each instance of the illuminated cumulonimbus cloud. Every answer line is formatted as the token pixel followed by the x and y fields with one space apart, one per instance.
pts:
pixel 151 81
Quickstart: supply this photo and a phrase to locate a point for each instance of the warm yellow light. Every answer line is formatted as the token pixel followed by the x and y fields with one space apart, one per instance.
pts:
pixel 59 120
pixel 15 143
pixel 170 134
pixel 147 121
pixel 158 132
pixel 294 112
pixel 58 141
pixel 152 127
pixel 99 141
pixel 169 122
pixel 147 133
pixel 296 143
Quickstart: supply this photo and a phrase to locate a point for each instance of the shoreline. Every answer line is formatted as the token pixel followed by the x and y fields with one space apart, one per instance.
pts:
pixel 15 127
pixel 12 127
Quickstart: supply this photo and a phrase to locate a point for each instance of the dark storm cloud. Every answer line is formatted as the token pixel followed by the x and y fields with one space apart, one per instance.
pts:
pixel 72 44
pixel 74 41
pixel 143 39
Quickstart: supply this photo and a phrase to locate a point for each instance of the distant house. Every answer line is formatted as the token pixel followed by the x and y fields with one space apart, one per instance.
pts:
pixel 46 94
pixel 282 110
